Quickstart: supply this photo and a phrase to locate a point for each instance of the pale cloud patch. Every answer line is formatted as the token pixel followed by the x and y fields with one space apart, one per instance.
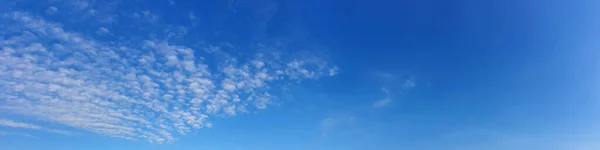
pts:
pixel 386 100
pixel 2 133
pixel 63 132
pixel 81 4
pixel 51 10
pixel 333 71
pixel 383 102
pixel 392 86
pixel 102 31
pixel 191 16
pixel 15 124
pixel 385 76
pixel 149 16
pixel 23 135
pixel 410 83
pixel 331 125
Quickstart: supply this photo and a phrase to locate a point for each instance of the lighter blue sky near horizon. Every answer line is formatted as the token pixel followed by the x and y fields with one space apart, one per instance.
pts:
pixel 300 74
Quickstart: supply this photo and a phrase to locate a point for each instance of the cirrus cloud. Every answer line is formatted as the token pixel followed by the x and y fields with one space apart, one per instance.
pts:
pixel 15 124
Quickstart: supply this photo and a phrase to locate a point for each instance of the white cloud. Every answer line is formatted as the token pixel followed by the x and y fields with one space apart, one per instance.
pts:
pixel 102 31
pixel 63 132
pixel 14 124
pixel 191 16
pixel 386 101
pixel 385 90
pixel 383 102
pixel 10 123
pixel 81 4
pixel 333 71
pixel 148 90
pixel 51 10
pixel 149 16
pixel 392 86
pixel 410 83
pixel 385 76
pixel 258 64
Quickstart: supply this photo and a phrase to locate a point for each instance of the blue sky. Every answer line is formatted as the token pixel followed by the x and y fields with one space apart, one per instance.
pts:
pixel 297 75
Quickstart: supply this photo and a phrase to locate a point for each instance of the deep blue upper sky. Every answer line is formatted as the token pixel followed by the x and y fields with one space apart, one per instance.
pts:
pixel 297 75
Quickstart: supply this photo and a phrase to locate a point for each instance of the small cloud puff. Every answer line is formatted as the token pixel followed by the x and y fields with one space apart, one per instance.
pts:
pixel 51 10
pixel 102 31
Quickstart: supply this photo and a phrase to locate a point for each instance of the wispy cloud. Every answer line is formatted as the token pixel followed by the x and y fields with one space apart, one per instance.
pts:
pixel 10 123
pixel 25 135
pixel 15 124
pixel 18 134
pixel 410 83
pixel 383 102
pixel 392 85
pixel 146 89
pixel 332 124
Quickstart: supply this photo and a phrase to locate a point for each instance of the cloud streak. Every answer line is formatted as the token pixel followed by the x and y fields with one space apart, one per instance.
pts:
pixel 10 123
pixel 383 102
pixel 145 90
pixel 15 124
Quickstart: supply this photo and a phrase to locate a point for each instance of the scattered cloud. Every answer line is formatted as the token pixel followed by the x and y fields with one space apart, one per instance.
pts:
pixel 136 90
pixel 51 10
pixel 391 84
pixel 386 101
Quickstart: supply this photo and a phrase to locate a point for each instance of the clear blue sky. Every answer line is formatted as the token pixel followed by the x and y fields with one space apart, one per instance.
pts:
pixel 299 74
